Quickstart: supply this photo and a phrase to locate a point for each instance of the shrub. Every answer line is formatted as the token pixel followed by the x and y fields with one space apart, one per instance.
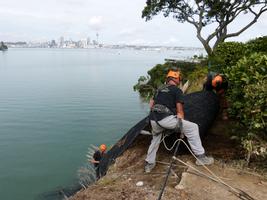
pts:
pixel 257 45
pixel 226 54
pixel 248 98
pixel 197 78
pixel 147 85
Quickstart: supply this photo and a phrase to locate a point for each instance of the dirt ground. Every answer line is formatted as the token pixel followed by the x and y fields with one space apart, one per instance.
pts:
pixel 184 183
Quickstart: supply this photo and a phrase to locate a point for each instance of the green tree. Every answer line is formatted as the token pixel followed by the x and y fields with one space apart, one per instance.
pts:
pixel 201 13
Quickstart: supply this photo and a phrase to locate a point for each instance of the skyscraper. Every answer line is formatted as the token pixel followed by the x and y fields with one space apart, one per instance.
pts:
pixel 61 42
pixel 88 41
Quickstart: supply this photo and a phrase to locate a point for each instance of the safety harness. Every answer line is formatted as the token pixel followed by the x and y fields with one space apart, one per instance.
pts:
pixel 163 110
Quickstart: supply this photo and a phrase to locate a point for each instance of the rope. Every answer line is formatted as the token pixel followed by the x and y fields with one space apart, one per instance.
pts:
pixel 239 193
pixel 168 172
pixel 169 149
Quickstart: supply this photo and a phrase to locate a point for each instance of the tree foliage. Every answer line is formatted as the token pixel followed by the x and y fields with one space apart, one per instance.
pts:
pixel 226 54
pixel 257 45
pixel 229 53
pixel 147 85
pixel 201 13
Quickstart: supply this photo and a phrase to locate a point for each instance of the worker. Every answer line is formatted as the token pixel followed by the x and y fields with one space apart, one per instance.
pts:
pixel 97 157
pixel 166 109
pixel 218 83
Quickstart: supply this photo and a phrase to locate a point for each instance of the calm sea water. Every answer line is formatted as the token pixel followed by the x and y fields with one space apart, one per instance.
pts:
pixel 54 103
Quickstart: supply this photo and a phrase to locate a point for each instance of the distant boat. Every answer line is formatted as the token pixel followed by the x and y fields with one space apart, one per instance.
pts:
pixel 3 47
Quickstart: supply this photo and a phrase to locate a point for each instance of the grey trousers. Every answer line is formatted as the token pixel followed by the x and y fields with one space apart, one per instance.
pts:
pixel 190 130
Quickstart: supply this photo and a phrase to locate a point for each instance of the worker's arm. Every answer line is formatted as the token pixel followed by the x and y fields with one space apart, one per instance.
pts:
pixel 95 158
pixel 151 103
pixel 180 110
pixel 94 161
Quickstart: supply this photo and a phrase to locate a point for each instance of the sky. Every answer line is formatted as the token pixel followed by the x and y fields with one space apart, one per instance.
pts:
pixel 116 21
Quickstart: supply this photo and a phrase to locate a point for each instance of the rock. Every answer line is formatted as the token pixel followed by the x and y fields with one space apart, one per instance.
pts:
pixel 263 183
pixel 179 187
pixel 139 183
pixel 182 184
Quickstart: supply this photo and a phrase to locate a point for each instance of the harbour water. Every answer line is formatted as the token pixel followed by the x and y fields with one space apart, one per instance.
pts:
pixel 54 103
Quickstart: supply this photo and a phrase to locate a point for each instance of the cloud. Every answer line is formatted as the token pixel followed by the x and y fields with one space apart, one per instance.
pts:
pixel 263 20
pixel 96 23
pixel 53 18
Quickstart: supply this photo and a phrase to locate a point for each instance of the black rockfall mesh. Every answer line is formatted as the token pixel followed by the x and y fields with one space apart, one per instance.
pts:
pixel 202 109
pixel 121 145
pixel 199 107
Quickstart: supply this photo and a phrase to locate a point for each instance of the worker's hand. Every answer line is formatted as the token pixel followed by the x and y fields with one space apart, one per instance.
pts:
pixel 181 135
pixel 180 116
pixel 94 161
pixel 151 103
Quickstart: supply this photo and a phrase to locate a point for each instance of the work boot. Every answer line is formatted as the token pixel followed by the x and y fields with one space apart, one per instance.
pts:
pixel 204 160
pixel 149 167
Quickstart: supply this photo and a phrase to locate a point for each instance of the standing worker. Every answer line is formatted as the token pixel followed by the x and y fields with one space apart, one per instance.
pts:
pixel 166 109
pixel 97 157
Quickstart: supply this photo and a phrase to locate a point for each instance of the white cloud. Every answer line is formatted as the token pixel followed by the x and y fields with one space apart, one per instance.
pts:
pixel 96 23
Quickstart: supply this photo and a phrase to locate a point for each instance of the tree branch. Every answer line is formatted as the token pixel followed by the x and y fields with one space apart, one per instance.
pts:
pixel 225 23
pixel 248 25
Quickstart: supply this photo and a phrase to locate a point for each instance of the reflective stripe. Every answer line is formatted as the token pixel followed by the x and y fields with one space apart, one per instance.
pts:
pixel 161 109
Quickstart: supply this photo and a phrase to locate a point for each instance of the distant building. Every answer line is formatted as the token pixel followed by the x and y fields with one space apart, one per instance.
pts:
pixel 88 41
pixel 61 42
pixel 95 42
pixel 97 36
pixel 83 43
pixel 71 44
pixel 53 44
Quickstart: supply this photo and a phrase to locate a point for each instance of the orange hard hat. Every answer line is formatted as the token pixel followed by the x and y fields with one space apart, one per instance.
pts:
pixel 217 80
pixel 103 147
pixel 173 74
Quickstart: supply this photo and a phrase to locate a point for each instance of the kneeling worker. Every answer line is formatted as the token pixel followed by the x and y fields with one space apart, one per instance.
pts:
pixel 97 157
pixel 166 109
pixel 218 83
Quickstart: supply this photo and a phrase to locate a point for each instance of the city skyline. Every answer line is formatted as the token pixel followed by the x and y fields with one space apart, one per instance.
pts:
pixel 115 22
pixel 88 43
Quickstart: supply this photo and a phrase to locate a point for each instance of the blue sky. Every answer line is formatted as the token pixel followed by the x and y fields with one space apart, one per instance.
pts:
pixel 116 21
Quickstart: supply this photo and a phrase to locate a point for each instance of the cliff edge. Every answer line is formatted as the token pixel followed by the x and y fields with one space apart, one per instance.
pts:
pixel 126 179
